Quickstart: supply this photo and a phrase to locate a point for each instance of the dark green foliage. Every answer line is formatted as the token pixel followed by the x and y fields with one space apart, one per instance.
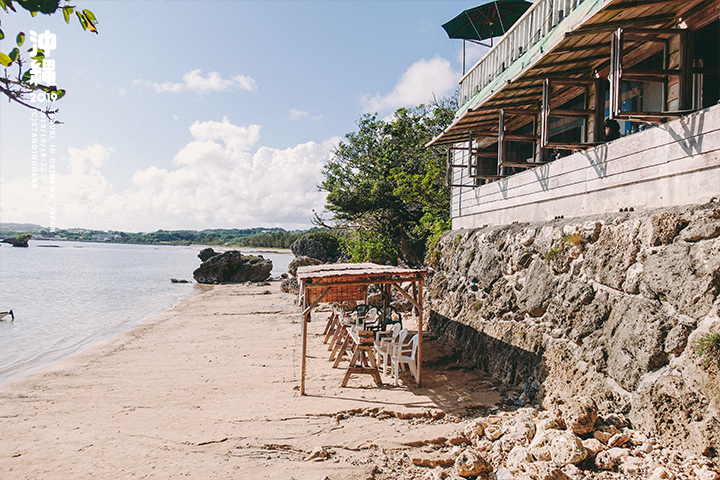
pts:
pixel 387 186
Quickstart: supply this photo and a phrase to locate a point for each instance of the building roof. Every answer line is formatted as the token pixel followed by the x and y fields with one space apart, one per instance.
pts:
pixel 349 281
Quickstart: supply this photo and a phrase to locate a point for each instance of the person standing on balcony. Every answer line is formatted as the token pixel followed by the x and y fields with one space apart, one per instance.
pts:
pixel 612 130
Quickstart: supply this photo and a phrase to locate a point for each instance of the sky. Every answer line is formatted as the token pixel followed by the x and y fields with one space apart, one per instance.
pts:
pixel 215 113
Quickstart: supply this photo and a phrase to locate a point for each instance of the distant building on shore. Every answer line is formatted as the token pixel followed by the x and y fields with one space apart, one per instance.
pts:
pixel 528 141
pixel 105 237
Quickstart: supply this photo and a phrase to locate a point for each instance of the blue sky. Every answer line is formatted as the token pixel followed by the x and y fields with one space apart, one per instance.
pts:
pixel 215 114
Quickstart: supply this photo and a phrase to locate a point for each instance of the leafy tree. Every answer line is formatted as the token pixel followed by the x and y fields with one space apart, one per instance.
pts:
pixel 389 187
pixel 22 86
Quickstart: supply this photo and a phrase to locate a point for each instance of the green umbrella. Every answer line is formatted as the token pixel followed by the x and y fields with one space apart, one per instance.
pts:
pixel 488 20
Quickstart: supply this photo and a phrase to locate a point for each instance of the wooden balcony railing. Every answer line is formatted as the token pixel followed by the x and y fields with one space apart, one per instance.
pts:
pixel 535 25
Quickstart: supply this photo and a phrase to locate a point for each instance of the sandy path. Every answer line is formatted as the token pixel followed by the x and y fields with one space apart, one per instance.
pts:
pixel 210 390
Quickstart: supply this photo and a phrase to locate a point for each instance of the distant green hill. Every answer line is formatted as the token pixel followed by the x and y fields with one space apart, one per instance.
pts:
pixel 21 228
pixel 238 237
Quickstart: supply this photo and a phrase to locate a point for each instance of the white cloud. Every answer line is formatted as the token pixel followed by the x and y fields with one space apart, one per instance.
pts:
pixel 234 137
pixel 299 114
pixel 218 180
pixel 69 188
pixel 195 82
pixel 418 84
pixel 473 53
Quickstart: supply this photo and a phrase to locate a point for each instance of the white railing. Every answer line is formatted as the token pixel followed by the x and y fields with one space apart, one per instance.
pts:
pixel 533 26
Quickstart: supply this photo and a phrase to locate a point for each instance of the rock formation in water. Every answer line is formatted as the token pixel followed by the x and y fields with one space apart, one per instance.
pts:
pixel 19 241
pixel 232 267
pixel 609 307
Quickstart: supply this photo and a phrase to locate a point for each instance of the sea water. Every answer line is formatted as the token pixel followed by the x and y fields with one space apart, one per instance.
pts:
pixel 69 296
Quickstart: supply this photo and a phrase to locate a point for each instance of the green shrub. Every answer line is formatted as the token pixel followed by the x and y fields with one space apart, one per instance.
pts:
pixel 576 239
pixel 707 347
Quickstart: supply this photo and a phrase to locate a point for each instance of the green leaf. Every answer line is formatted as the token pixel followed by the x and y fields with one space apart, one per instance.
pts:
pixel 40 54
pixel 90 16
pixel 2 34
pixel 60 94
pixel 14 54
pixel 26 76
pixel 3 6
pixel 91 20
pixel 83 21
pixel 20 39
pixel 5 60
pixel 66 13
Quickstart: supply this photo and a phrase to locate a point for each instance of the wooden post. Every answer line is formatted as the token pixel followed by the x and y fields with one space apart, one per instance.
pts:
pixel 306 319
pixel 599 118
pixel 685 81
pixel 415 285
pixel 420 332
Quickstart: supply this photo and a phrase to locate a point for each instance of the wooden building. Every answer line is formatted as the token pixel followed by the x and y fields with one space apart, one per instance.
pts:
pixel 528 142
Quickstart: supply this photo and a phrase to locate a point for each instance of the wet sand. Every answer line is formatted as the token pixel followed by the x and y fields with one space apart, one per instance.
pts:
pixel 210 390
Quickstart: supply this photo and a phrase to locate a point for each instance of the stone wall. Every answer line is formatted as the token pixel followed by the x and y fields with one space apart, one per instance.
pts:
pixel 606 306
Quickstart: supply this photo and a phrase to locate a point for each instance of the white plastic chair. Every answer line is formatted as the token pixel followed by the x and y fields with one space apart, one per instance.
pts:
pixel 368 318
pixel 385 345
pixel 405 353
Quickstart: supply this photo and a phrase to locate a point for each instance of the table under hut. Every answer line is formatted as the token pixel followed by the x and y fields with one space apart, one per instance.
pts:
pixel 349 282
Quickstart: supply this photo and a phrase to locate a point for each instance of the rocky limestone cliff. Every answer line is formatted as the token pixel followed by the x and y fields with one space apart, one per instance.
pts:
pixel 606 306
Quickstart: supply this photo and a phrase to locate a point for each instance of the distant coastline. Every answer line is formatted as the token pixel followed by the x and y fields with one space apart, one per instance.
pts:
pixel 273 238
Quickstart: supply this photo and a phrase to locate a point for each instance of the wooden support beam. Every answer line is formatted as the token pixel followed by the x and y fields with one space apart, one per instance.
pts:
pixel 521 138
pixel 405 294
pixel 484 133
pixel 557 112
pixel 484 177
pixel 521 164
pixel 581 48
pixel 609 27
pixel 637 4
pixel 637 73
pixel 522 111
pixel 573 61
pixel 317 300
pixel 573 146
pixel 567 74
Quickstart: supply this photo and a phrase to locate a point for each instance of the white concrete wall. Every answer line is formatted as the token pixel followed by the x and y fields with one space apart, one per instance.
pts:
pixel 677 163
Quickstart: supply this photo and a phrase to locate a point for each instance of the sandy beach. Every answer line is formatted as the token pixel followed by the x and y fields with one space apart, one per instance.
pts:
pixel 210 390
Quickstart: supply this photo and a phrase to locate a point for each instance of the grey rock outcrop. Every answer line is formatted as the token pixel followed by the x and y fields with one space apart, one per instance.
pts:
pixel 233 267
pixel 603 306
pixel 308 247
pixel 207 253
pixel 302 261
pixel 290 285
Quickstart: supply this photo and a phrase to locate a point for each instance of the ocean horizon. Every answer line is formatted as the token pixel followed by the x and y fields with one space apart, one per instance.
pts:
pixel 68 296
